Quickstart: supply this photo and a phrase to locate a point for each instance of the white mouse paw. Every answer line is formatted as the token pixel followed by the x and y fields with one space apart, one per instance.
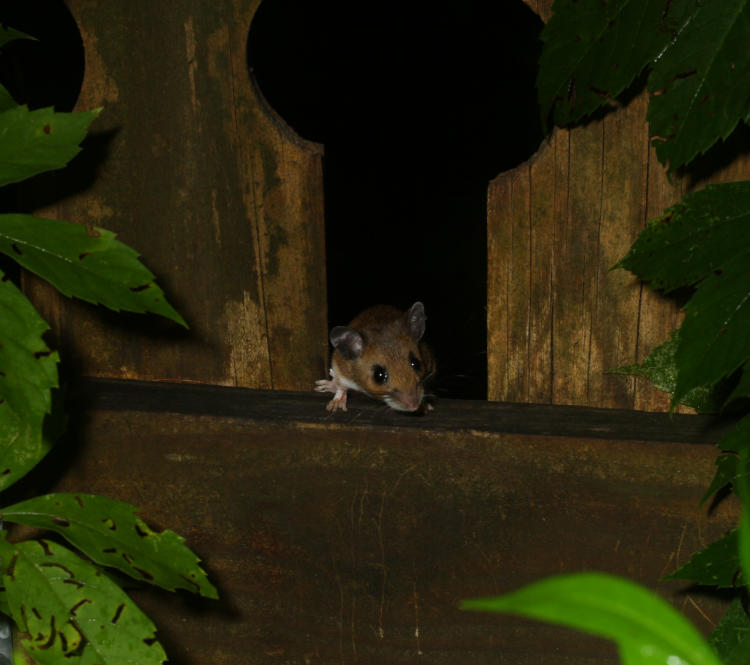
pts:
pixel 325 386
pixel 338 402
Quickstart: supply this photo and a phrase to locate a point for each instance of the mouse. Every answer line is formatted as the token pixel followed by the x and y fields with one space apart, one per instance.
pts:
pixel 381 354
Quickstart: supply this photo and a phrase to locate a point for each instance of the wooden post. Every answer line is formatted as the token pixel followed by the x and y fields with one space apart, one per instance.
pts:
pixel 224 202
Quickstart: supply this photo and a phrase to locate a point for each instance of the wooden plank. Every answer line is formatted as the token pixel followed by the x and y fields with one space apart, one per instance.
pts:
pixel 190 166
pixel 448 416
pixel 352 539
pixel 615 320
pixel 560 315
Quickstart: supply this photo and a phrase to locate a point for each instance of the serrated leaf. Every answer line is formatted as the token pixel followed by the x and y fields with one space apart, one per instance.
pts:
pixel 33 142
pixel 717 565
pixel 594 50
pixel 705 240
pixel 726 472
pixel 110 533
pixel 72 611
pixel 98 269
pixel 702 81
pixel 729 464
pixel 731 637
pixel 713 335
pixel 647 630
pixel 660 368
pixel 28 372
pixel 693 238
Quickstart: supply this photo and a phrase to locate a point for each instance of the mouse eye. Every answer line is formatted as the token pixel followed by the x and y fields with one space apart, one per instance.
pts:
pixel 416 363
pixel 379 374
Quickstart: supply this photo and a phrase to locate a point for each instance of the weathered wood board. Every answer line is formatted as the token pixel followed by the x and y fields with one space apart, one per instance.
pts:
pixel 352 538
pixel 187 164
pixel 557 318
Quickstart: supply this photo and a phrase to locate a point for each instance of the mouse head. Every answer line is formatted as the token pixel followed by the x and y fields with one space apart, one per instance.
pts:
pixel 380 354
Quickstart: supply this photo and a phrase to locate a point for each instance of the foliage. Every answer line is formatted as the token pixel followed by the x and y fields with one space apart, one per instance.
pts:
pixel 694 54
pixel 647 629
pixel 694 58
pixel 69 609
pixel 703 242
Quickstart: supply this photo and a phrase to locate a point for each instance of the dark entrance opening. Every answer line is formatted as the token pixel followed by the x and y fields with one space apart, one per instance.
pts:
pixel 419 105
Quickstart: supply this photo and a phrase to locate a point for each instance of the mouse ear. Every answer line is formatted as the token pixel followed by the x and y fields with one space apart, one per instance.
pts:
pixel 348 342
pixel 415 321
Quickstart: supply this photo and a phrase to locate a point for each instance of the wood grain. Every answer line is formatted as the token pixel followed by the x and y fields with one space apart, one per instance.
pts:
pixel 558 317
pixel 190 166
pixel 353 538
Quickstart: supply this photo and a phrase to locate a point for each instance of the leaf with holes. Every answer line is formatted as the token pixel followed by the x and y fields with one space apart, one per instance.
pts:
pixel 28 372
pixel 594 50
pixel 33 142
pixel 72 611
pixel 110 533
pixel 648 631
pixel 701 86
pixel 96 268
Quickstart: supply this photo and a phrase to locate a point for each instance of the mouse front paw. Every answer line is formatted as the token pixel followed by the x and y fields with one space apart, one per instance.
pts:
pixel 338 402
pixel 325 386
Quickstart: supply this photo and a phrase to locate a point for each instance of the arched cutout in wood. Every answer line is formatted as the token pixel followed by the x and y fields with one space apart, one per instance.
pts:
pixel 419 105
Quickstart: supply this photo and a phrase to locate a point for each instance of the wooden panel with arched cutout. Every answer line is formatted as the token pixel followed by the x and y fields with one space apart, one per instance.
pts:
pixel 557 317
pixel 219 196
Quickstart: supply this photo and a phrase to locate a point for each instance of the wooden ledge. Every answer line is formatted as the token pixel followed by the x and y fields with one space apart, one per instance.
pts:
pixel 449 414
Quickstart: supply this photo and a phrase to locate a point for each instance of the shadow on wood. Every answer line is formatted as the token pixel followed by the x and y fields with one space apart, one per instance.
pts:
pixel 352 537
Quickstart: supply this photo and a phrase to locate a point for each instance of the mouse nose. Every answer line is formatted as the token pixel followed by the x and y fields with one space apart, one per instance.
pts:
pixel 411 401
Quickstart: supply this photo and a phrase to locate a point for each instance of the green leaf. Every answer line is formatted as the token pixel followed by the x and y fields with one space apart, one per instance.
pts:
pixel 660 368
pixel 594 50
pixel 713 335
pixel 110 534
pixel 96 268
pixel 32 142
pixel 742 389
pixel 28 372
pixel 694 238
pixel 717 565
pixel 6 100
pixel 72 611
pixel 731 637
pixel 726 472
pixel 742 489
pixel 701 85
pixel 8 34
pixel 728 465
pixel 647 630
pixel 705 240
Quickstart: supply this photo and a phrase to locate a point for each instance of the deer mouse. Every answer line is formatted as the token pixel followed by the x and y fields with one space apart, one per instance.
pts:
pixel 380 353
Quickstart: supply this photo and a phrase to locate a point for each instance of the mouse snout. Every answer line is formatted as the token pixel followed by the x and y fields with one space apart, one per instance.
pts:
pixel 405 401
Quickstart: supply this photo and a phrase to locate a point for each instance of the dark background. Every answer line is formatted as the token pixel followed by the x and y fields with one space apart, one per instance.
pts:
pixel 418 104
